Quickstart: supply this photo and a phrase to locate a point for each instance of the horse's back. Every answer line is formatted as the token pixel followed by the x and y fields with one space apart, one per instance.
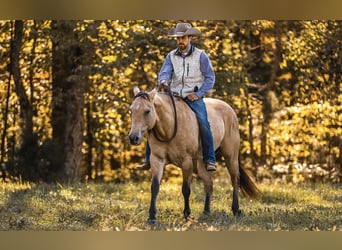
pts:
pixel 223 121
pixel 222 118
pixel 223 124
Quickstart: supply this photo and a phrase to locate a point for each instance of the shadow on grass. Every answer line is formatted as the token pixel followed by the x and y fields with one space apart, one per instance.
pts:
pixel 38 209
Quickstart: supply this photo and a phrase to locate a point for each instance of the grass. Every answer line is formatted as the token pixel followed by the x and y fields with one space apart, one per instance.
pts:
pixel 124 207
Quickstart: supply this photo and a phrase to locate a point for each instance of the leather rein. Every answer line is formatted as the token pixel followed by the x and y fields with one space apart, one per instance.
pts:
pixel 169 93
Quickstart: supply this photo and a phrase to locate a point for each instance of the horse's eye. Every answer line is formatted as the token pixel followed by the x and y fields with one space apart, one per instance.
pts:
pixel 147 112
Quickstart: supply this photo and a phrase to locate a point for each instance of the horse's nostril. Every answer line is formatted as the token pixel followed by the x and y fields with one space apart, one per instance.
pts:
pixel 133 139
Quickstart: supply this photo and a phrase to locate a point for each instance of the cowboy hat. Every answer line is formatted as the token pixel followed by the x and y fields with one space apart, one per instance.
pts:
pixel 184 29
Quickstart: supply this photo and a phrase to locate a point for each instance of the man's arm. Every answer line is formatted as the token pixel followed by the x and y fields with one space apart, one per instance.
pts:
pixel 166 70
pixel 208 73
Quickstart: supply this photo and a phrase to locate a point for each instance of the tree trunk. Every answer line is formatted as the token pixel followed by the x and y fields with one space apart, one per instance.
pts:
pixel 4 132
pixel 269 100
pixel 25 106
pixel 89 139
pixel 250 130
pixel 28 148
pixel 74 132
pixel 67 101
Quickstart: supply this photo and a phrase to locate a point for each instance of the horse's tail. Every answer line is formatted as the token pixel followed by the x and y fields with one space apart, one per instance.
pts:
pixel 247 185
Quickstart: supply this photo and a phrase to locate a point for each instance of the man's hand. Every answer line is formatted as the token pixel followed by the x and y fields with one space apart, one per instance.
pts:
pixel 192 97
pixel 164 83
pixel 163 86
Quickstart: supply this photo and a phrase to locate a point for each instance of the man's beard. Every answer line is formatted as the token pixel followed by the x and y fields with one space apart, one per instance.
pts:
pixel 181 46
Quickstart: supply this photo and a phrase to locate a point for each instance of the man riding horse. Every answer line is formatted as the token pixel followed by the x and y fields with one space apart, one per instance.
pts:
pixel 191 76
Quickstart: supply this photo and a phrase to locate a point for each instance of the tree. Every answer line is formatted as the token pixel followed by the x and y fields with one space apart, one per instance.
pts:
pixel 28 149
pixel 69 79
pixel 65 89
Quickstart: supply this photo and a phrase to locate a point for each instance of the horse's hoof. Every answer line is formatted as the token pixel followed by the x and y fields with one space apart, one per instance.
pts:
pixel 189 218
pixel 152 222
pixel 206 213
pixel 239 213
pixel 186 215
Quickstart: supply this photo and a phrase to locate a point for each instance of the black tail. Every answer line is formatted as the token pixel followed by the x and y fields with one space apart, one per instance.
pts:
pixel 247 185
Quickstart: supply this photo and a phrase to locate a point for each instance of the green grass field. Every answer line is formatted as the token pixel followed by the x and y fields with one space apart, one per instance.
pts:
pixel 124 207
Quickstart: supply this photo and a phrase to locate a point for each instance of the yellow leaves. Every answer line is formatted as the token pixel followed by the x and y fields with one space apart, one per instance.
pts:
pixel 323 78
pixel 130 51
pixel 267 58
pixel 109 58
pixel 287 76
pixel 227 48
pixel 105 144
pixel 302 132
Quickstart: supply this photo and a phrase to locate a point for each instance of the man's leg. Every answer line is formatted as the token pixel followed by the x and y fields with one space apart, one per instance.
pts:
pixel 207 140
pixel 146 165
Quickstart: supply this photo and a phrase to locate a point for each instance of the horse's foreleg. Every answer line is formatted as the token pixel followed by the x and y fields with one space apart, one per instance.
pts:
pixel 157 173
pixel 154 193
pixel 186 190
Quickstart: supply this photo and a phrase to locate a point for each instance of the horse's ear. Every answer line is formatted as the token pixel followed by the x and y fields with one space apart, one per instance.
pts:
pixel 152 93
pixel 136 90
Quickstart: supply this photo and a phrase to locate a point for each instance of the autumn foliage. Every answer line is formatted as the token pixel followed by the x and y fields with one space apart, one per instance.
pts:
pixel 65 91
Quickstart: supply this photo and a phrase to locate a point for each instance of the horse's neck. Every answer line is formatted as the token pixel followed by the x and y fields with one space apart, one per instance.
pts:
pixel 165 121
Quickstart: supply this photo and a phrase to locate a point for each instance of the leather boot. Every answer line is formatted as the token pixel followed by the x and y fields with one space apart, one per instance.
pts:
pixel 144 166
pixel 211 167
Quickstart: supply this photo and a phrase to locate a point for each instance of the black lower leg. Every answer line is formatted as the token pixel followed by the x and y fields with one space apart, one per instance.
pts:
pixel 186 194
pixel 207 204
pixel 235 204
pixel 154 193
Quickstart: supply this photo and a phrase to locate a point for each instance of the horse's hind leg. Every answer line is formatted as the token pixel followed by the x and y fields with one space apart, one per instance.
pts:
pixel 231 158
pixel 234 173
pixel 186 190
pixel 208 185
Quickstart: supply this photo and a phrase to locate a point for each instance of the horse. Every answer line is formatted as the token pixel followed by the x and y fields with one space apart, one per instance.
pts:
pixel 173 135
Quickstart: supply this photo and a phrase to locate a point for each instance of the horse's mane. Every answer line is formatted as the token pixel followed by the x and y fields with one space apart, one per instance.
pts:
pixel 143 94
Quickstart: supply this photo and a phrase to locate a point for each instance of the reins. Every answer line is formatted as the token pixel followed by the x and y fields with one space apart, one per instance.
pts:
pixel 169 93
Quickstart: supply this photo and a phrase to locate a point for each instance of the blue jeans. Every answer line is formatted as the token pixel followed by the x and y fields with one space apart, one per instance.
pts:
pixel 200 110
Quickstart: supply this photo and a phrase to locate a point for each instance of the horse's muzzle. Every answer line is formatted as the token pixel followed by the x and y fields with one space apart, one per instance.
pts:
pixel 134 139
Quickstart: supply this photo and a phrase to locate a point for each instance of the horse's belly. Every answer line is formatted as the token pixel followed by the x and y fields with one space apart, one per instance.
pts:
pixel 182 151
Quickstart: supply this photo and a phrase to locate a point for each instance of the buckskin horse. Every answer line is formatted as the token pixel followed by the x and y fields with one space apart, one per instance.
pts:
pixel 173 136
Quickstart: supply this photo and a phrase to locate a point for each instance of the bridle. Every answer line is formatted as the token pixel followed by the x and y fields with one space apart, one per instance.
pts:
pixel 169 93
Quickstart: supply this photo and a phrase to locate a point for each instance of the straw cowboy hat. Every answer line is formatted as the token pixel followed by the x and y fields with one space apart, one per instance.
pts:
pixel 184 29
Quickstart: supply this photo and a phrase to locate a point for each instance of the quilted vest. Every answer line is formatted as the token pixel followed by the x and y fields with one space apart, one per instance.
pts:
pixel 187 76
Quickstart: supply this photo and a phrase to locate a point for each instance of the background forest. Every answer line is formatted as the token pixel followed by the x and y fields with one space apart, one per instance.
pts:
pixel 66 87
